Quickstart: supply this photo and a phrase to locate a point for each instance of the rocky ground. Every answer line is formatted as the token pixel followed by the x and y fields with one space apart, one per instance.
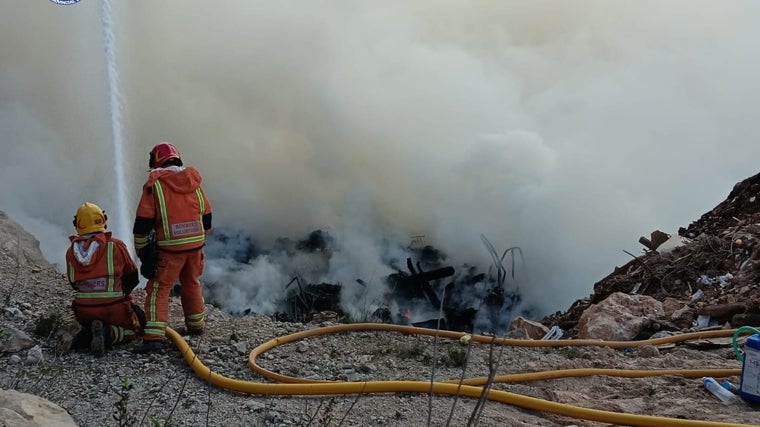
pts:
pixel 122 388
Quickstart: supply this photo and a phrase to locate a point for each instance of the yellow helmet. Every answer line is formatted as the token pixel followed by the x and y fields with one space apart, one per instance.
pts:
pixel 90 219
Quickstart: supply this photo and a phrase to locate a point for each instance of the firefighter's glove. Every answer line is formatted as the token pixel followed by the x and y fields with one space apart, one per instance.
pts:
pixel 148 267
pixel 148 261
pixel 147 252
pixel 129 282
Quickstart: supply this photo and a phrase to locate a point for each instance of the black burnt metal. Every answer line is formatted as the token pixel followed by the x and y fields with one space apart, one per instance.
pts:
pixel 408 290
pixel 306 300
pixel 417 286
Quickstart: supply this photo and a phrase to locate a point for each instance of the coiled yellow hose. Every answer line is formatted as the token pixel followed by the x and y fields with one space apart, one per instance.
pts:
pixel 470 387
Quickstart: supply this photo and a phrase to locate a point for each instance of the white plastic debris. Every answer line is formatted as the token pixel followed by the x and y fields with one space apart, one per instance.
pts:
pixel 724 279
pixel 703 321
pixel 554 333
pixel 673 242
pixel 697 295
pixel 720 280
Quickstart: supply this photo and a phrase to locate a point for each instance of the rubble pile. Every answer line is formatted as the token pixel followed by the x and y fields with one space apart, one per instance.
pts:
pixel 705 277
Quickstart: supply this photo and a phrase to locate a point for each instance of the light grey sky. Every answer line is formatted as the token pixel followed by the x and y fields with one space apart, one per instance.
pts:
pixel 566 128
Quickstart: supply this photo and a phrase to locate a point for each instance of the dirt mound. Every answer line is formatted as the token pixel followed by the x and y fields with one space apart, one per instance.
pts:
pixel 711 267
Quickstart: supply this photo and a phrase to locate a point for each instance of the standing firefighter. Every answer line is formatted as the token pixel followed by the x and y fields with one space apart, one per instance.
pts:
pixel 103 273
pixel 173 218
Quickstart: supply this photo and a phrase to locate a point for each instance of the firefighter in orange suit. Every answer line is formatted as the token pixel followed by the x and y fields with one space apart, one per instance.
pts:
pixel 103 273
pixel 173 218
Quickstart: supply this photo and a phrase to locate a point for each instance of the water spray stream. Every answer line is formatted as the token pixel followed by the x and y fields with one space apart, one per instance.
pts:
pixel 122 228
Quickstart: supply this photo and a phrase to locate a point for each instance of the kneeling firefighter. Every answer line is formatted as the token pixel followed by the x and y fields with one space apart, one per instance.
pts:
pixel 103 273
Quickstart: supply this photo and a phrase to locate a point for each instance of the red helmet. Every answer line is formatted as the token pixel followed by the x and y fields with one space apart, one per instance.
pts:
pixel 162 153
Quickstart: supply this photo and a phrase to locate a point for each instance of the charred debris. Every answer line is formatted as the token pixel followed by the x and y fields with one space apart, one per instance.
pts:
pixel 422 283
pixel 423 291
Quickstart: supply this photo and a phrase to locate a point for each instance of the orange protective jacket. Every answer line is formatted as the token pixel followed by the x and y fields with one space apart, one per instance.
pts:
pixel 100 268
pixel 175 206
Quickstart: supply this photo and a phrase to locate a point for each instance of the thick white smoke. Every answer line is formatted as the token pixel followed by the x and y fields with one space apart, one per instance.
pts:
pixel 568 129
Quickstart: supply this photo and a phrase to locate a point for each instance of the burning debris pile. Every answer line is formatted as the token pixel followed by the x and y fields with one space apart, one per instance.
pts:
pixel 421 288
pixel 467 301
pixel 705 277
pixel 427 293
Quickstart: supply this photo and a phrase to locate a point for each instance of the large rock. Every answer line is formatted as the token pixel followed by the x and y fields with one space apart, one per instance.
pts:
pixel 17 245
pixel 27 410
pixel 620 317
pixel 13 340
pixel 534 330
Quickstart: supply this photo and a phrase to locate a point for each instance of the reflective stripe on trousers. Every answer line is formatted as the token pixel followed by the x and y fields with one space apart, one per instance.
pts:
pixel 187 267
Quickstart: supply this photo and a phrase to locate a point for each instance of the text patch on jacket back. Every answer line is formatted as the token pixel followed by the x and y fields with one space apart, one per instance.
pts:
pixel 192 228
pixel 98 284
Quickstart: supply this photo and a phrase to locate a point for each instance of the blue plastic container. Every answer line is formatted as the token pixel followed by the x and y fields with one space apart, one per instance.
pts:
pixel 750 386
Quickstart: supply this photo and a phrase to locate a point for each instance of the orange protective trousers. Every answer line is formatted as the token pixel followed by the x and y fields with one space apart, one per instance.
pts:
pixel 120 317
pixel 187 267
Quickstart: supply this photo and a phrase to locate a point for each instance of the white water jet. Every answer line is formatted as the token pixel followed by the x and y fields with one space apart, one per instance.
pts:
pixel 122 228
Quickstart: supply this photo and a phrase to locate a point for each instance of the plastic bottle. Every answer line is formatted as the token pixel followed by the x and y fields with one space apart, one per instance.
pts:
pixel 733 388
pixel 715 388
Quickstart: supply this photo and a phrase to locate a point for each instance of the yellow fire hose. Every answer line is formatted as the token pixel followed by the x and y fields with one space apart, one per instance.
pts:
pixel 290 386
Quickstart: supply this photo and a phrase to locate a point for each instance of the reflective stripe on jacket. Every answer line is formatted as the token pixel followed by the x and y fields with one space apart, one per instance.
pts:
pixel 176 207
pixel 183 228
pixel 99 282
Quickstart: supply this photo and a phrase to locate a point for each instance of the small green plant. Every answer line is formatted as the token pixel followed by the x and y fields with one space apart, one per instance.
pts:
pixel 411 351
pixel 456 358
pixel 427 359
pixel 382 345
pixel 347 319
pixel 569 352
pixel 121 413
pixel 652 391
pixel 46 326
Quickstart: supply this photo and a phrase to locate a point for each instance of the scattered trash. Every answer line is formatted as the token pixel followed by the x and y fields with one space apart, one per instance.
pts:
pixel 554 333
pixel 636 288
pixel 724 279
pixel 720 280
pixel 697 295
pixel 733 388
pixel 718 391
pixel 703 321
